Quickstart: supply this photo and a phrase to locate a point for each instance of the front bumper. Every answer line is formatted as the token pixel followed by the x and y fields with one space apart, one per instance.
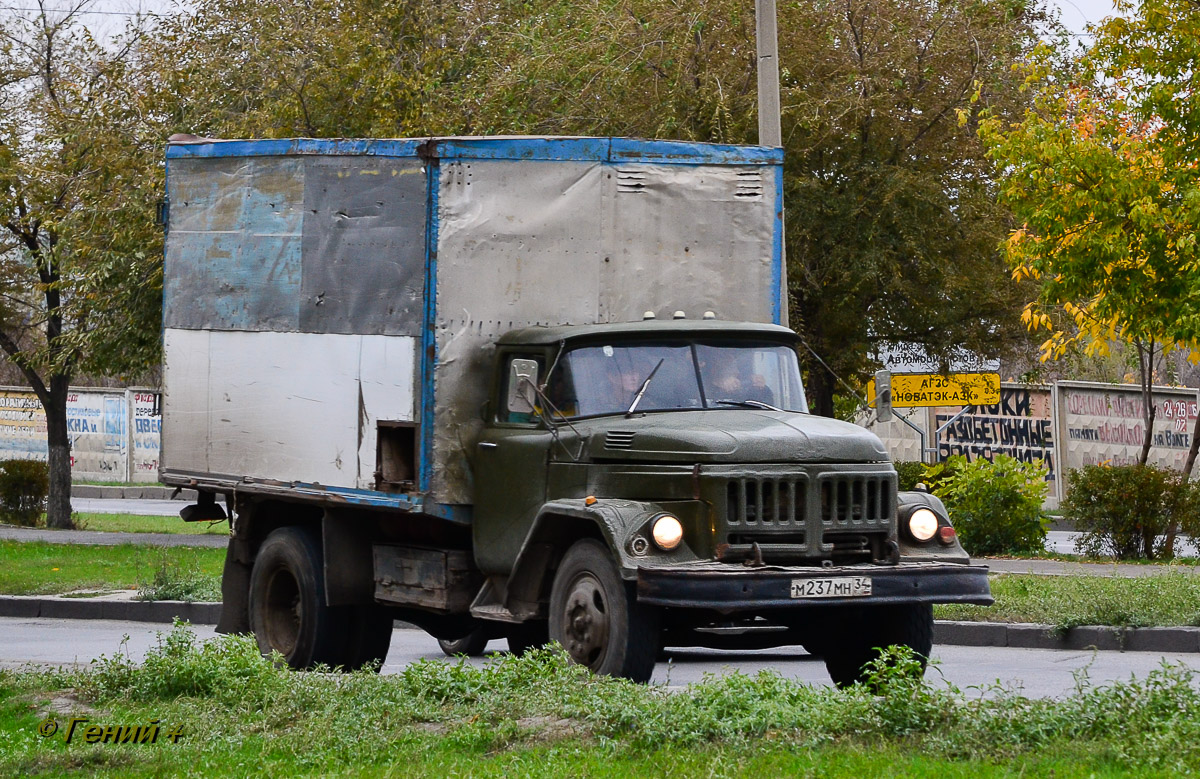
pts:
pixel 729 588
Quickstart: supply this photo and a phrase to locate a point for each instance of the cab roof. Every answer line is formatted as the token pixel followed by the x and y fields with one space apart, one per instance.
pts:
pixel 680 328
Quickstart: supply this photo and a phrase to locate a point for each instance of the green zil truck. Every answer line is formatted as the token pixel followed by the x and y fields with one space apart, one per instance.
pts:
pixel 526 388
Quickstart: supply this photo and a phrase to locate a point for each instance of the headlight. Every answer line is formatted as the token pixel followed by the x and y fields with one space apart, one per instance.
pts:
pixel 923 524
pixel 667 532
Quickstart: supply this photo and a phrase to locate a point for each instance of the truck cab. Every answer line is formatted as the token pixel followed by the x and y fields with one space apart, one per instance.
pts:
pixel 663 481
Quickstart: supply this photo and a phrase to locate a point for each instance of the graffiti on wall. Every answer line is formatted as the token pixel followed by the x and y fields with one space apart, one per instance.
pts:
pixel 1107 426
pixel 1021 426
pixel 105 446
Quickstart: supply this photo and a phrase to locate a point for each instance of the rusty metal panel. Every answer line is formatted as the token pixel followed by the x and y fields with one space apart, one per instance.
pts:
pixel 316 244
pixel 363 246
pixel 518 244
pixel 433 579
pixel 694 238
pixel 233 257
pixel 571 242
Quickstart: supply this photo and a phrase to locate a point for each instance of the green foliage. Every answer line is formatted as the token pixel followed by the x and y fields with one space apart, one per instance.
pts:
pixel 892 221
pixel 1129 511
pixel 1100 172
pixel 238 706
pixel 176 578
pixel 996 506
pixel 910 473
pixel 1159 599
pixel 23 486
pixel 937 473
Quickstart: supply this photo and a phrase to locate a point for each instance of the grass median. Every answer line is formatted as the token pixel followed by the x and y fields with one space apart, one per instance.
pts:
pixel 1164 600
pixel 234 713
pixel 137 523
pixel 158 573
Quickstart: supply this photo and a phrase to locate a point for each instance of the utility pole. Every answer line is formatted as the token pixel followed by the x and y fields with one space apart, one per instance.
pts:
pixel 770 132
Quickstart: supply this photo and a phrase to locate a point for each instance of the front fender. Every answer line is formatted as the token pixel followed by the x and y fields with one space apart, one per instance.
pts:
pixel 931 551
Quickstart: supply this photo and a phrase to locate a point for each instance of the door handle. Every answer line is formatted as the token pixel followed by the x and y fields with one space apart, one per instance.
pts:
pixel 487 445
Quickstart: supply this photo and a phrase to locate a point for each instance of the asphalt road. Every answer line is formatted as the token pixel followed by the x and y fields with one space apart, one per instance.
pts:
pixel 1039 673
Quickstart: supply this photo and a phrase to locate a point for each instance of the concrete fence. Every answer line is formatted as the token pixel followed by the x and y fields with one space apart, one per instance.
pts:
pixel 115 433
pixel 1067 425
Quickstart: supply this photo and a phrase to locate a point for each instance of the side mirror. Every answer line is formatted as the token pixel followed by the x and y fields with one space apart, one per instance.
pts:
pixel 522 379
pixel 883 396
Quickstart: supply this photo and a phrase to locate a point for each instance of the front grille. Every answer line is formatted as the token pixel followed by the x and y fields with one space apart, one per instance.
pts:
pixel 855 501
pixel 832 515
pixel 776 502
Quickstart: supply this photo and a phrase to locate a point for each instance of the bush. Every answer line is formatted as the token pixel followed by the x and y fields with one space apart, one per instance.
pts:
pixel 996 507
pixel 23 488
pixel 1129 511
pixel 910 473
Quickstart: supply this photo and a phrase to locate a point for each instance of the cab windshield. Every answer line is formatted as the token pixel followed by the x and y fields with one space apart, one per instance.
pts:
pixel 605 378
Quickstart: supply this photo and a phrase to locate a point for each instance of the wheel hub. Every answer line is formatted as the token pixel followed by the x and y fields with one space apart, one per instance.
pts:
pixel 587 621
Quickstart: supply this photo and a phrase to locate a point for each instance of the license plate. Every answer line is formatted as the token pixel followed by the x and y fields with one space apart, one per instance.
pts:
pixel 840 587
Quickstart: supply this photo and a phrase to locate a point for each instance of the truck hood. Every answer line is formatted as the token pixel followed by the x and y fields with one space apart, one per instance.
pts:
pixel 729 436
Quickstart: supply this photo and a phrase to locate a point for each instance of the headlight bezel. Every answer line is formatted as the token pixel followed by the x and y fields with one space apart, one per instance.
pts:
pixel 923 524
pixel 666 531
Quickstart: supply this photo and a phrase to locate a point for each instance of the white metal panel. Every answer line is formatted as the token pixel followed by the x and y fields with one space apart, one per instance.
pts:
pixel 185 400
pixel 283 406
pixel 387 374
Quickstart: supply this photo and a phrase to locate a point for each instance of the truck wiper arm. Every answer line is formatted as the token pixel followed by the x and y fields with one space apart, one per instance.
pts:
pixel 748 404
pixel 642 390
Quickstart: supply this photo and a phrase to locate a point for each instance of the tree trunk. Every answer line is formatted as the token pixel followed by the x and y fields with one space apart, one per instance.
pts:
pixel 1192 449
pixel 820 396
pixel 58 503
pixel 1146 371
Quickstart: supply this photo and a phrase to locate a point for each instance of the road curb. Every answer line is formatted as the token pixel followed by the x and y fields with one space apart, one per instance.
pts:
pixel 112 492
pixel 165 611
pixel 945 632
pixel 1083 637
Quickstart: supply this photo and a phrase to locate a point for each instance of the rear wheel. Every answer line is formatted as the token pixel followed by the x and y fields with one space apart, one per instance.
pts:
pixel 862 633
pixel 287 601
pixel 596 616
pixel 472 645
pixel 368 636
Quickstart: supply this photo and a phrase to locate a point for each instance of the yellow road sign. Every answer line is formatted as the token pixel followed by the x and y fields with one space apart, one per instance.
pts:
pixel 932 389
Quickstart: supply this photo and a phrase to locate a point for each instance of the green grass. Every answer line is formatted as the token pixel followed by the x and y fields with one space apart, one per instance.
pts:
pixel 538 715
pixel 136 523
pixel 1166 599
pixel 38 568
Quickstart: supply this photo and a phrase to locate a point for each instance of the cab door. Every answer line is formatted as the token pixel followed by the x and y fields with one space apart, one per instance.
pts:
pixel 510 465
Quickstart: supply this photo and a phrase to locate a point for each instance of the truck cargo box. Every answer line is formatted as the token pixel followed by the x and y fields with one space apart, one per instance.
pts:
pixel 331 305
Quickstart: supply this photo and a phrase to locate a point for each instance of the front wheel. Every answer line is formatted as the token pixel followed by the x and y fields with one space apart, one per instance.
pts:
pixel 596 616
pixel 862 633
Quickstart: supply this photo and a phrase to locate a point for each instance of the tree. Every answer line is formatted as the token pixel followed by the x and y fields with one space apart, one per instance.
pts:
pixel 1101 171
pixel 892 224
pixel 80 279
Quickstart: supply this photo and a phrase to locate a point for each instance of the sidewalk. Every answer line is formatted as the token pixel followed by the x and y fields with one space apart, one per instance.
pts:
pixel 102 538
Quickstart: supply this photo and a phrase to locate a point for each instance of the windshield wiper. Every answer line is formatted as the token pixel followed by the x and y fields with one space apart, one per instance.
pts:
pixel 748 404
pixel 642 390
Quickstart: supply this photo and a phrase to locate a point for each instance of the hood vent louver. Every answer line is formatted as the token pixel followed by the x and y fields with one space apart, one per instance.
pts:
pixel 616 439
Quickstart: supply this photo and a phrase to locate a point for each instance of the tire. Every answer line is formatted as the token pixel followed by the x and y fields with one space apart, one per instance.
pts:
pixel 368 636
pixel 860 637
pixel 287 601
pixel 472 645
pixel 527 635
pixel 597 618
